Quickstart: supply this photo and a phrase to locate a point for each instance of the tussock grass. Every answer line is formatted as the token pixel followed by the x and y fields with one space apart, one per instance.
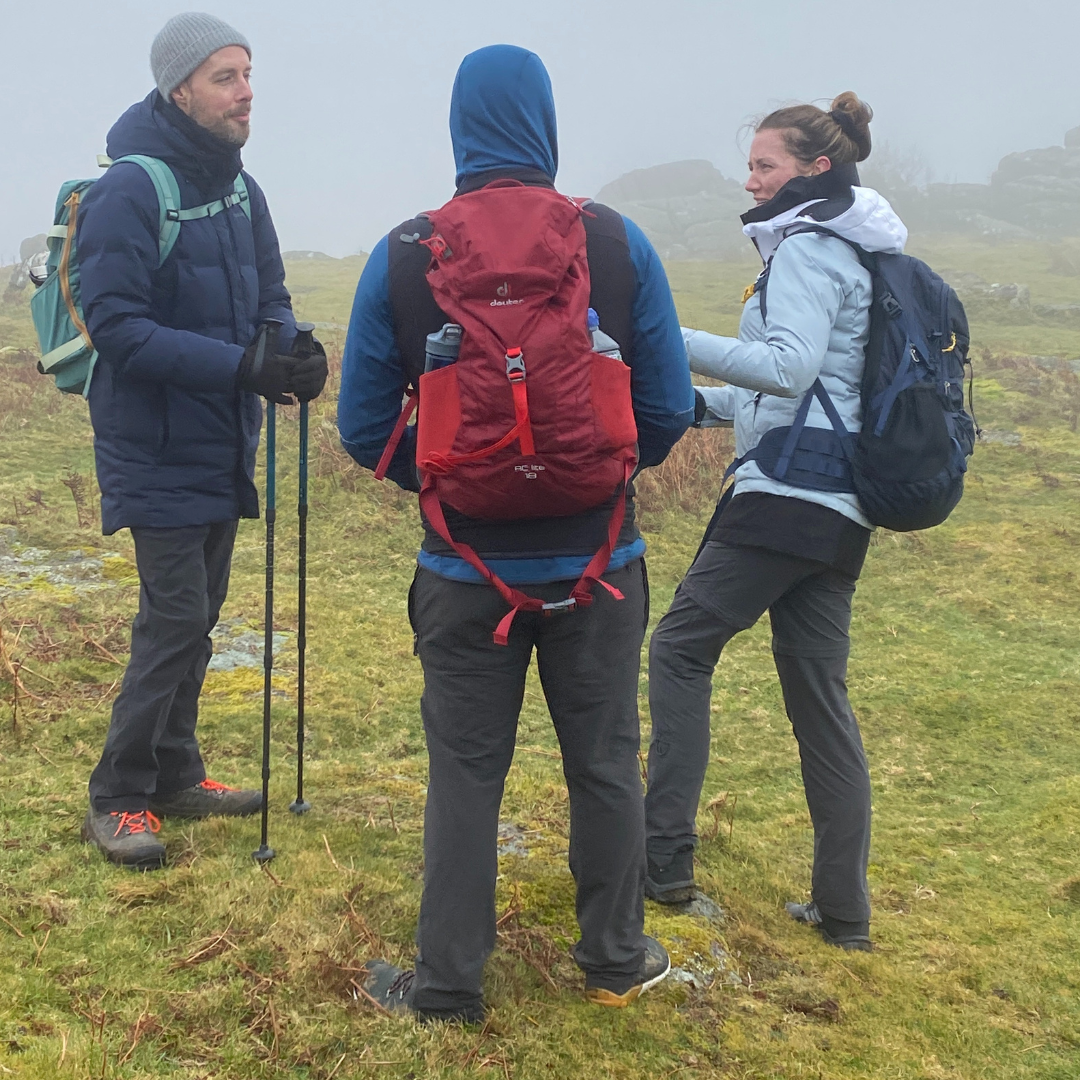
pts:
pixel 965 676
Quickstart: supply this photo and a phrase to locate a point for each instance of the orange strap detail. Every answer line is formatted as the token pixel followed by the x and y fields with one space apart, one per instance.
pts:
pixel 64 269
pixel 395 438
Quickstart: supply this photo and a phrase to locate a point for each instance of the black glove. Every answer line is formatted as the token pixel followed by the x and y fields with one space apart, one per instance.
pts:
pixel 309 373
pixel 701 410
pixel 271 380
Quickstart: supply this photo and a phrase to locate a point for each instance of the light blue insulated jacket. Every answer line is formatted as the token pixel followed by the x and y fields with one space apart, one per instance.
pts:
pixel 817 325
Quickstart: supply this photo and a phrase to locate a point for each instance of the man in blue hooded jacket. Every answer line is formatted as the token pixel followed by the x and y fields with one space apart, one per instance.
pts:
pixel 502 121
pixel 176 414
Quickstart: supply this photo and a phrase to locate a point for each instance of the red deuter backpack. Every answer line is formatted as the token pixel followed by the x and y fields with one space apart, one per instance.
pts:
pixel 529 422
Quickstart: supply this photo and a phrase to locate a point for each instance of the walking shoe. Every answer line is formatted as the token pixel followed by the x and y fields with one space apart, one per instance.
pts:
pixel 391 987
pixel 205 800
pixel 126 839
pixel 654 968
pixel 852 936
pixel 671 881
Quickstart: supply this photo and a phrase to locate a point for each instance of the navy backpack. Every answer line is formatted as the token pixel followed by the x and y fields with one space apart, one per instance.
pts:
pixel 907 464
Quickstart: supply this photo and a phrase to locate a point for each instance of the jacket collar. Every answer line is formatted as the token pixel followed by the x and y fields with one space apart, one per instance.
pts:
pixel 833 186
pixel 529 177
pixel 157 128
pixel 865 219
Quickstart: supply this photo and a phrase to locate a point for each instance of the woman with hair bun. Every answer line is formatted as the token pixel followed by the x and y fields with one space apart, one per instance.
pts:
pixel 793 546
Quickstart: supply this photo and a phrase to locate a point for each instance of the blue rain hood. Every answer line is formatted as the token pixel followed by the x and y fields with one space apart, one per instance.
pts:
pixel 502 113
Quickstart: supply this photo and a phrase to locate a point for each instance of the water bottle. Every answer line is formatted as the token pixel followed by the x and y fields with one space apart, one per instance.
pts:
pixel 601 343
pixel 443 347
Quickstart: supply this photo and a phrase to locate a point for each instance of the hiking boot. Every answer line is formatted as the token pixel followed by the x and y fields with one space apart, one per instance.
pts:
pixel 126 839
pixel 852 936
pixel 654 968
pixel 391 988
pixel 671 881
pixel 207 799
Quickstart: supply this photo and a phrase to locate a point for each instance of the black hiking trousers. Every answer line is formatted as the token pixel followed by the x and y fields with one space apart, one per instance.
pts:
pixel 727 590
pixel 151 746
pixel 588 663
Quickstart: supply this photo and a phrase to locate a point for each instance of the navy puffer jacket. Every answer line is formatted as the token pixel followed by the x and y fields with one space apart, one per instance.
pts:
pixel 174 439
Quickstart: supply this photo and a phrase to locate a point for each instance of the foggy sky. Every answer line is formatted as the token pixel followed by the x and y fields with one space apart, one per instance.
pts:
pixel 349 124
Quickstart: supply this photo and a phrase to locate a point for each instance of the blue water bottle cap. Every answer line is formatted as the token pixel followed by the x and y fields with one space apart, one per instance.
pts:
pixel 593 320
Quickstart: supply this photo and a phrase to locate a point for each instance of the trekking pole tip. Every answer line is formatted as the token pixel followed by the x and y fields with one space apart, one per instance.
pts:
pixel 264 854
pixel 299 806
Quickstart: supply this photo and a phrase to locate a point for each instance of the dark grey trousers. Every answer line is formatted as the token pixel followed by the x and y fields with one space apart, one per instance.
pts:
pixel 727 590
pixel 473 690
pixel 151 746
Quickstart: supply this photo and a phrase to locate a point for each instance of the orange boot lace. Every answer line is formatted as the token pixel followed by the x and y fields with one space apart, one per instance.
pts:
pixel 213 785
pixel 141 822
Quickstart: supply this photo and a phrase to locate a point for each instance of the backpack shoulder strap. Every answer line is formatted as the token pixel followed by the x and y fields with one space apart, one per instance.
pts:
pixel 170 214
pixel 612 276
pixel 867 258
pixel 413 310
pixel 168 193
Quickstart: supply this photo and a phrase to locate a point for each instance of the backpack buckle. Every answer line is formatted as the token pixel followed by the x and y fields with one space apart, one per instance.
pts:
pixel 439 248
pixel 563 607
pixel 515 365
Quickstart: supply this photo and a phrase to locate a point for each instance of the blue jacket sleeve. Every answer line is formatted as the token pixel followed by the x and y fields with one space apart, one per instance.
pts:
pixel 274 299
pixel 373 380
pixel 660 377
pixel 118 254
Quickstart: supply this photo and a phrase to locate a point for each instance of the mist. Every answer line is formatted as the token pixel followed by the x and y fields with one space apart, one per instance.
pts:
pixel 349 127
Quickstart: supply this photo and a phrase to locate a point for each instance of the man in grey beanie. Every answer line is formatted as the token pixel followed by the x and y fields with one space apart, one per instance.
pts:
pixel 174 402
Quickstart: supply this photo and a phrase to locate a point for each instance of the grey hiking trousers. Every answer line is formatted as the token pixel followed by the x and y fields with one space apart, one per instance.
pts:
pixel 151 746
pixel 588 663
pixel 727 590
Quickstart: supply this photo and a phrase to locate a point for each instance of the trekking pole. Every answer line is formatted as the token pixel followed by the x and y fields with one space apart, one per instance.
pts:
pixel 304 347
pixel 268 334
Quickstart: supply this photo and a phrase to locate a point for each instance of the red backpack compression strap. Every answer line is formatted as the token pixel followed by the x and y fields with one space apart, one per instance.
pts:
pixel 580 595
pixel 395 438
pixel 441 464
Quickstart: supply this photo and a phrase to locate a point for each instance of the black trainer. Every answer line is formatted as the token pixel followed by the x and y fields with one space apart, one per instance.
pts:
pixel 208 799
pixel 654 969
pixel 126 839
pixel 392 988
pixel 671 882
pixel 852 936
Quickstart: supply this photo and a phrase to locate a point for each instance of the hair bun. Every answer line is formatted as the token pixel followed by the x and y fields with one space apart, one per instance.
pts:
pixel 853 117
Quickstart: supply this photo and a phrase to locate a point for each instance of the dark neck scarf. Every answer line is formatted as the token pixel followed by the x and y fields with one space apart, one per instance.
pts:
pixel 208 161
pixel 834 186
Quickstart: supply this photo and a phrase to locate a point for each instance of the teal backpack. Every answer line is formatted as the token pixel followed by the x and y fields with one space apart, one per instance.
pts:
pixel 67 353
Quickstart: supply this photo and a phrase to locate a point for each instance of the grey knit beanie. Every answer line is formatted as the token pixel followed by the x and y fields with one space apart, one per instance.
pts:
pixel 184 43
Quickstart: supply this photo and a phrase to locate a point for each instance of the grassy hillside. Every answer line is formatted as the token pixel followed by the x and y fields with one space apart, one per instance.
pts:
pixel 965 675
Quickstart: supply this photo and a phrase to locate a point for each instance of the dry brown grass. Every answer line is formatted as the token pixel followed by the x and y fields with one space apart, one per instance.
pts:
pixel 689 480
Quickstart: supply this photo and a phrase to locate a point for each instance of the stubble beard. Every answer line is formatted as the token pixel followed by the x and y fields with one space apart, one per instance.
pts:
pixel 226 128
